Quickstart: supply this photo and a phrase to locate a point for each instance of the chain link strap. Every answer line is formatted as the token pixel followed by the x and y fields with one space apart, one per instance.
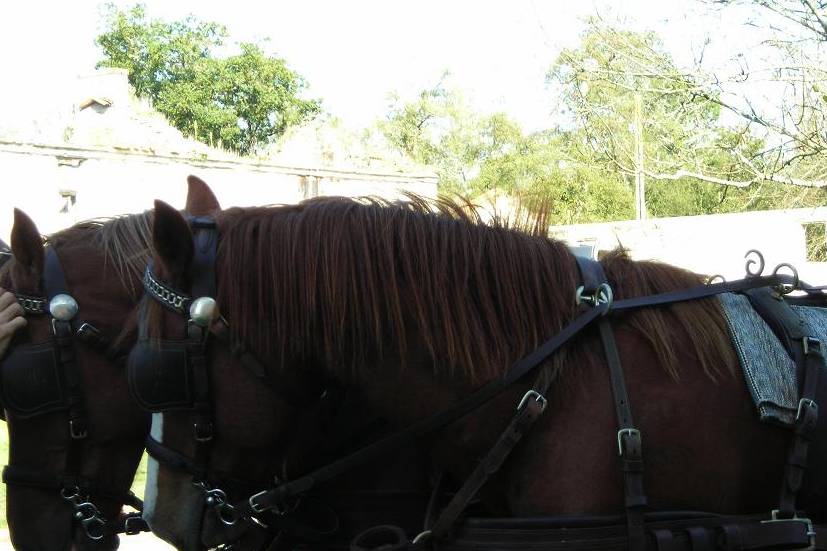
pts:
pixel 165 295
pixel 32 305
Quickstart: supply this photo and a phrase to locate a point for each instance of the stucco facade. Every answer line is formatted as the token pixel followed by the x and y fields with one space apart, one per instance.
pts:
pixel 712 244
pixel 106 152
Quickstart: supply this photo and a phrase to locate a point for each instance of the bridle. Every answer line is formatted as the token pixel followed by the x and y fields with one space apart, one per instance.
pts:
pixel 39 379
pixel 173 376
pixel 784 527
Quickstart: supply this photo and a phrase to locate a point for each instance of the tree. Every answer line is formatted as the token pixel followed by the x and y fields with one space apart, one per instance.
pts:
pixel 776 87
pixel 244 101
pixel 441 130
pixel 479 154
pixel 692 163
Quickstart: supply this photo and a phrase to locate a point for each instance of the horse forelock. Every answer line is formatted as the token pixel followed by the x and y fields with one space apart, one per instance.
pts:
pixel 125 241
pixel 346 282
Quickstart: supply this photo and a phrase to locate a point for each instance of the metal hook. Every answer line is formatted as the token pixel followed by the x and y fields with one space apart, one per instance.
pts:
pixel 716 278
pixel 751 262
pixel 217 500
pixel 785 289
pixel 603 295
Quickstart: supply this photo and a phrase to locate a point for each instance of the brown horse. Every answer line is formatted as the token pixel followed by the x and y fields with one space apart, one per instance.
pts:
pixel 418 305
pixel 102 262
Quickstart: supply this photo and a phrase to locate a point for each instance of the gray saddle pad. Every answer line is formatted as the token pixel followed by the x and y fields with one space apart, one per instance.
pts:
pixel 768 370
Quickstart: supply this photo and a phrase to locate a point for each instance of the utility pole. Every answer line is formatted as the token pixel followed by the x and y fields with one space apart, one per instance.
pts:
pixel 640 184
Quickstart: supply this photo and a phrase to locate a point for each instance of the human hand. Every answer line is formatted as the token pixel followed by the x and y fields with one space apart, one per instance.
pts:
pixel 11 319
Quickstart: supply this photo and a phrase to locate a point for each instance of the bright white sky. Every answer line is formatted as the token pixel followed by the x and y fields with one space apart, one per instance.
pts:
pixel 355 52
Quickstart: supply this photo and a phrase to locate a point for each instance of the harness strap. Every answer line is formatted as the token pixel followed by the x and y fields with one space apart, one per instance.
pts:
pixel 792 332
pixel 272 497
pixel 202 270
pixel 129 524
pixel 23 476
pixel 528 411
pixel 55 284
pixel 805 425
pixel 704 533
pixel 629 443
pixel 202 408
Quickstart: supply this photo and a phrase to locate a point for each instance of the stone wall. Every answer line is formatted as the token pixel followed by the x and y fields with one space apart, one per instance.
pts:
pixel 58 185
pixel 713 244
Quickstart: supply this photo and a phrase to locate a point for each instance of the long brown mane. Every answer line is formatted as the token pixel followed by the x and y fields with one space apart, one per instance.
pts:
pixel 125 241
pixel 347 282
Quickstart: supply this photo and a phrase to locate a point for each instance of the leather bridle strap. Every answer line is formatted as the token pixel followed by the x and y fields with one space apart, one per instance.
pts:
pixel 274 497
pixel 529 410
pixel 630 446
pixel 804 429
pixel 127 523
pixel 793 332
pixel 629 443
pixel 205 245
pixel 595 289
pixel 54 283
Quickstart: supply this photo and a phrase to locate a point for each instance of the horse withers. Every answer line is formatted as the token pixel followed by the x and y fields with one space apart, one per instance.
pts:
pixel 76 437
pixel 417 307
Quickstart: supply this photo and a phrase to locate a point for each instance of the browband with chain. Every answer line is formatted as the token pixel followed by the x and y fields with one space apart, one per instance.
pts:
pixel 171 298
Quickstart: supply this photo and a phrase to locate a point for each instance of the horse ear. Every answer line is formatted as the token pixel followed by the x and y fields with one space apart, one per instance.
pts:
pixel 201 200
pixel 27 243
pixel 172 240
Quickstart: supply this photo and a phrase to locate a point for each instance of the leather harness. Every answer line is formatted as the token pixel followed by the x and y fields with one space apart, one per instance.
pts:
pixel 672 531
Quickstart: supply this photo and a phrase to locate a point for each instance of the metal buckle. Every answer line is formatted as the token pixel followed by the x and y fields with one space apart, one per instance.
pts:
pixel 808 525
pixel 133 519
pixel 805 344
pixel 631 432
pixel 202 437
pixel 807 403
pixel 87 330
pixel 61 335
pixel 77 430
pixel 71 494
pixel 539 398
pixel 252 502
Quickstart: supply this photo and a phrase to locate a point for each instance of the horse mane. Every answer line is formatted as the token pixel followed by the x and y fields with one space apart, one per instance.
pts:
pixel 125 240
pixel 350 282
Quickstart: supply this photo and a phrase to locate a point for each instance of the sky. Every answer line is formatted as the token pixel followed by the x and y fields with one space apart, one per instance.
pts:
pixel 355 53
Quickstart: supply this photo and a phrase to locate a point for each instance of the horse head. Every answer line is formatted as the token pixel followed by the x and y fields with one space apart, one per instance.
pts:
pixel 75 438
pixel 189 417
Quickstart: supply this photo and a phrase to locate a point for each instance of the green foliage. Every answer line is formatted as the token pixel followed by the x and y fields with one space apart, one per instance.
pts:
pixel 244 101
pixel 585 170
pixel 439 129
pixel 475 153
pixel 541 165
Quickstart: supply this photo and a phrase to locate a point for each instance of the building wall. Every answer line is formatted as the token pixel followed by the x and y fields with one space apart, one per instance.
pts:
pixel 713 244
pixel 41 180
